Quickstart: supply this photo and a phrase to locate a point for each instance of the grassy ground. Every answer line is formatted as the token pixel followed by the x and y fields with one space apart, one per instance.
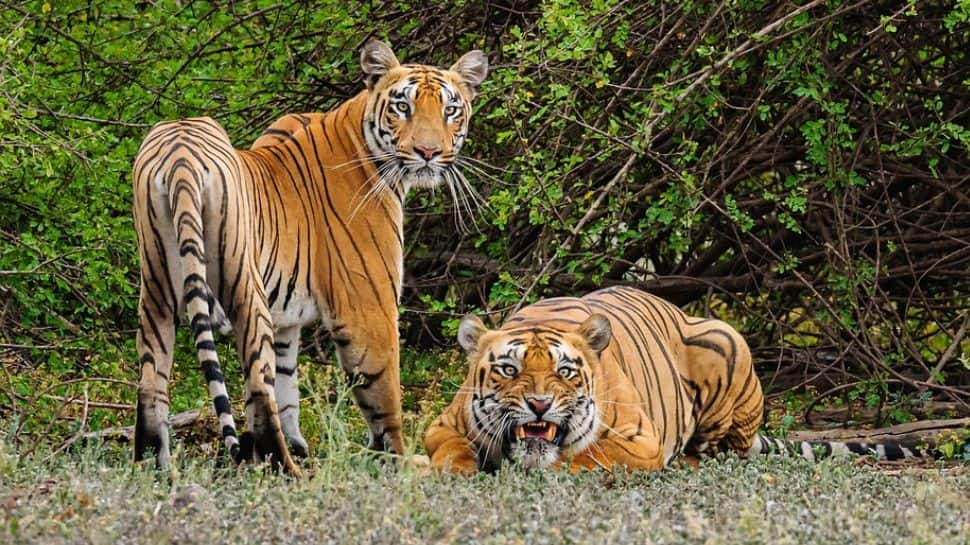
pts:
pixel 95 495
pixel 92 493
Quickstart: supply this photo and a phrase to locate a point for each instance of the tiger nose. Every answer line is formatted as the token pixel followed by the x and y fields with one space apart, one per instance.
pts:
pixel 427 153
pixel 539 405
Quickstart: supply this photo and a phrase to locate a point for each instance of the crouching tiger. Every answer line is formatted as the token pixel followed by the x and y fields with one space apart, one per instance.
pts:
pixel 305 226
pixel 618 377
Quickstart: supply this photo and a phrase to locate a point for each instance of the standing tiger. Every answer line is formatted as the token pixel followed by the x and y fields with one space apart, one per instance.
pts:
pixel 304 226
pixel 618 377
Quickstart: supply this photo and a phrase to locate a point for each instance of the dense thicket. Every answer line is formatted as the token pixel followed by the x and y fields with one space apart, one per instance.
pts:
pixel 800 169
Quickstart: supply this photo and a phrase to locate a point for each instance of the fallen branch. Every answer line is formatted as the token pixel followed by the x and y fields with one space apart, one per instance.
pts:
pixel 95 404
pixel 838 417
pixel 914 433
pixel 127 433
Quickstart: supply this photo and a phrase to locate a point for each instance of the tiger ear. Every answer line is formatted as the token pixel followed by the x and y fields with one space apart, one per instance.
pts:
pixel 597 332
pixel 470 330
pixel 376 59
pixel 472 67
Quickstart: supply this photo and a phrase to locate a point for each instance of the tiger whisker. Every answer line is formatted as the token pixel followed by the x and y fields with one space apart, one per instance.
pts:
pixel 485 428
pixel 599 450
pixel 375 157
pixel 473 202
pixel 376 188
pixel 460 202
pixel 471 190
pixel 610 428
pixel 496 436
pixel 481 163
pixel 377 174
pixel 479 172
pixel 459 220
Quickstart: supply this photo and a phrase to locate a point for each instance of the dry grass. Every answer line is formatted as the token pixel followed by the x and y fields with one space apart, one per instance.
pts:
pixel 97 496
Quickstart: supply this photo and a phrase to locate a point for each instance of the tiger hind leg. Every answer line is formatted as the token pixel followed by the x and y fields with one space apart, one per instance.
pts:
pixel 158 312
pixel 155 344
pixel 733 404
pixel 251 320
pixel 747 415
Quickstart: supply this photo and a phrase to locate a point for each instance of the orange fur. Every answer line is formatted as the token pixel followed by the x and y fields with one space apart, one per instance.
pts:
pixel 665 384
pixel 303 227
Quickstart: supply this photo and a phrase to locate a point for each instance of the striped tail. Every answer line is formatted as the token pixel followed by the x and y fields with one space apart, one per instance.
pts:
pixel 817 450
pixel 186 197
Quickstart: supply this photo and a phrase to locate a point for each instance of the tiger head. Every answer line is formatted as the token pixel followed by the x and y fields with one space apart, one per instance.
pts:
pixel 417 116
pixel 532 396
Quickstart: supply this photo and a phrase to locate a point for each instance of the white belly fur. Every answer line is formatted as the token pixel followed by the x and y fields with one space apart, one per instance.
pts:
pixel 300 311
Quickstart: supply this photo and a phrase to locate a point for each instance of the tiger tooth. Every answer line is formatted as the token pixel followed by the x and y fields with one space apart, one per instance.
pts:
pixel 550 433
pixel 519 432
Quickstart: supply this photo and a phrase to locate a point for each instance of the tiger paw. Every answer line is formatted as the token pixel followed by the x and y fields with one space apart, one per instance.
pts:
pixel 298 447
pixel 465 467
pixel 264 442
pixel 418 460
pixel 420 464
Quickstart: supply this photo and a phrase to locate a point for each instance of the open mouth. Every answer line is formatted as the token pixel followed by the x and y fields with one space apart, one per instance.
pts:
pixel 545 431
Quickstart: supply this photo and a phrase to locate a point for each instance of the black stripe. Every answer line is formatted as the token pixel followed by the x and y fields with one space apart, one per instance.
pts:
pixel 200 324
pixel 191 247
pixel 196 293
pixel 210 368
pixel 221 403
pixel 893 451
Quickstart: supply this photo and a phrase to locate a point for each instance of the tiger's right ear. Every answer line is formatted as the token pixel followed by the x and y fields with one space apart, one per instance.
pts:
pixel 470 330
pixel 376 59
pixel 597 332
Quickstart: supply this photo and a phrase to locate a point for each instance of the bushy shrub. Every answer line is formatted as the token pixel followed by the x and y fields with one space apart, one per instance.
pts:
pixel 799 170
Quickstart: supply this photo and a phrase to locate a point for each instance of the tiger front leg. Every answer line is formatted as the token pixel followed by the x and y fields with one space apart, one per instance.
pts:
pixel 287 346
pixel 371 361
pixel 634 445
pixel 449 448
